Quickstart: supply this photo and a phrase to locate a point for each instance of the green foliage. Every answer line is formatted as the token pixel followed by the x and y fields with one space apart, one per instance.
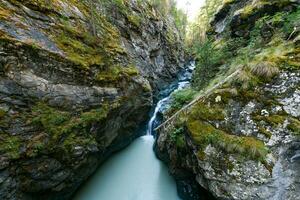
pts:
pixel 260 58
pixel 180 18
pixel 284 22
pixel 197 30
pixel 10 145
pixel 291 22
pixel 164 6
pixel 209 57
pixel 177 136
pixel 182 97
pixel 246 80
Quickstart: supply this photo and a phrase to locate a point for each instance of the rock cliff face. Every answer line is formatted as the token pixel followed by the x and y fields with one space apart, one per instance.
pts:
pixel 76 80
pixel 242 141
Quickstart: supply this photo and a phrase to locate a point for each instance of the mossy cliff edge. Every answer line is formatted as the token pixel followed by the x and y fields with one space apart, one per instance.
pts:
pixel 77 78
pixel 242 141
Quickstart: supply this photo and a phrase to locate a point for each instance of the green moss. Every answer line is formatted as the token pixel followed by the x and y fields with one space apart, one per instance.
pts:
pixel 147 87
pixel 249 95
pixel 247 11
pixel 135 20
pixel 79 52
pixel 86 47
pixel 228 1
pixel 95 115
pixel 74 140
pixel 49 118
pixel 41 5
pixel 252 8
pixel 275 119
pixel 265 132
pixel 226 94
pixel 207 113
pixel 201 155
pixel 47 6
pixel 177 136
pixel 2 113
pixel 36 145
pixel 294 126
pixel 115 73
pixel 204 134
pixel 65 129
pixel 10 145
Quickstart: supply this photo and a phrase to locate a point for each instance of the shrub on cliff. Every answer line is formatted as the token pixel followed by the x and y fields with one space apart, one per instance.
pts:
pixel 209 57
pixel 182 97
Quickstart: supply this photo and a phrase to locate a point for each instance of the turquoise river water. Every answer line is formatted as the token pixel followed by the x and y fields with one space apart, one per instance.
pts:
pixel 135 173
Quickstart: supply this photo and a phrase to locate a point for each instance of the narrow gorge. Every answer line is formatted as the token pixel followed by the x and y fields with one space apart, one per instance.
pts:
pixel 149 100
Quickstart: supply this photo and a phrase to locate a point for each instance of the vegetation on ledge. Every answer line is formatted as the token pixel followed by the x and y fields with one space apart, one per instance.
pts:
pixel 261 52
pixel 64 129
pixel 204 134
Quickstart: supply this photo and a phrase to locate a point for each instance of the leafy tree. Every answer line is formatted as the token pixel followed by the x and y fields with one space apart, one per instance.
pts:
pixel 209 58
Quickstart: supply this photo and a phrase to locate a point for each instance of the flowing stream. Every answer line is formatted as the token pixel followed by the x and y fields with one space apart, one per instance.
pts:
pixel 135 173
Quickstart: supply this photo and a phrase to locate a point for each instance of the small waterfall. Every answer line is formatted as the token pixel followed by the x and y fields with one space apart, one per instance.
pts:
pixel 135 173
pixel 154 116
pixel 183 82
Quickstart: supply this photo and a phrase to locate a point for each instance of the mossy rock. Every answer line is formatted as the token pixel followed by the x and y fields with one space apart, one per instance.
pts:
pixel 201 155
pixel 115 73
pixel 265 132
pixel 10 146
pixel 202 111
pixel 274 120
pixel 135 20
pixel 66 130
pixel 294 126
pixel 177 137
pixel 2 113
pixel 204 134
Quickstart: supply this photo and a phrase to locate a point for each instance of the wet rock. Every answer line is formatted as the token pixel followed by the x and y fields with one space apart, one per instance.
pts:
pixel 76 81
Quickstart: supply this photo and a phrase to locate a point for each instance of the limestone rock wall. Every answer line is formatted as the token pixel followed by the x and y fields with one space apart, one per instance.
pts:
pixel 76 80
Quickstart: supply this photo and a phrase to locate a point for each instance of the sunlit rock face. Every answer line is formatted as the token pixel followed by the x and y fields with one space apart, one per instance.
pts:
pixel 76 80
pixel 242 141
